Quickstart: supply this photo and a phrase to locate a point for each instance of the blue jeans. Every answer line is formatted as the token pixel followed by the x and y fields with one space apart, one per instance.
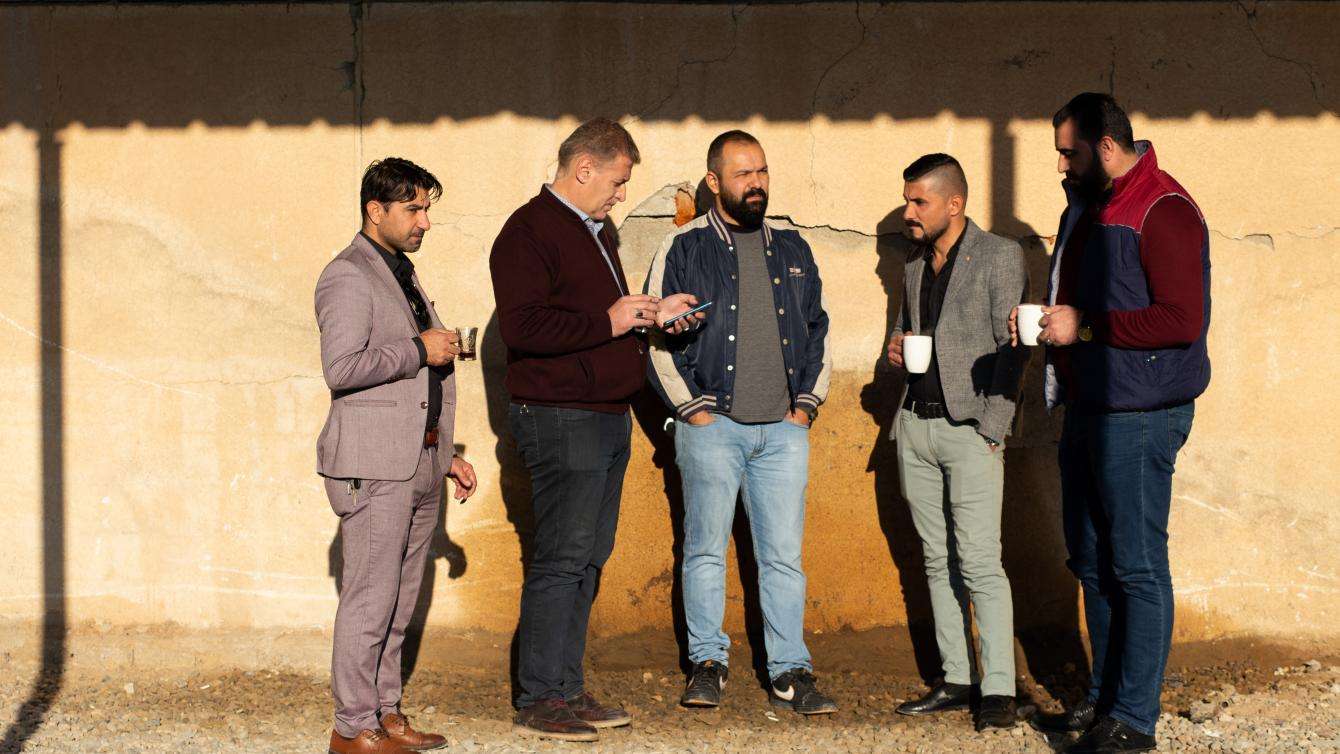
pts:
pixel 1116 489
pixel 576 461
pixel 769 463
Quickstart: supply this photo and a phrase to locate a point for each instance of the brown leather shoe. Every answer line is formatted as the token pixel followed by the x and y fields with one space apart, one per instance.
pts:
pixel 552 718
pixel 585 707
pixel 397 727
pixel 367 742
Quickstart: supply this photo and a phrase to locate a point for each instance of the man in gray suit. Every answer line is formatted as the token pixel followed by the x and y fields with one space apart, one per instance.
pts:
pixel 387 361
pixel 960 287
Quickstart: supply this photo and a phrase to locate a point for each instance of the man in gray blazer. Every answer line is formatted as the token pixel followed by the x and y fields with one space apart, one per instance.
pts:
pixel 384 450
pixel 960 287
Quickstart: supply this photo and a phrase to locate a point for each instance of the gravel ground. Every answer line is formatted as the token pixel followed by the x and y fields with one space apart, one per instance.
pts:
pixel 1235 708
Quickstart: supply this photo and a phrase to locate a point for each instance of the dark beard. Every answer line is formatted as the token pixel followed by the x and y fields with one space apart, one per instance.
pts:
pixel 749 216
pixel 1091 184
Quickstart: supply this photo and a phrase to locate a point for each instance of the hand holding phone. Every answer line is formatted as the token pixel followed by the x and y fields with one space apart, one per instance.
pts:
pixel 669 323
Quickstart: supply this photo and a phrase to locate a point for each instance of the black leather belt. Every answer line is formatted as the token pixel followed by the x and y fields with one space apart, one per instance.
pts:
pixel 925 410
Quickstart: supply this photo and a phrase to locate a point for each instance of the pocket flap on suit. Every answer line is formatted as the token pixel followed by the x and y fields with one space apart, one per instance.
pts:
pixel 368 402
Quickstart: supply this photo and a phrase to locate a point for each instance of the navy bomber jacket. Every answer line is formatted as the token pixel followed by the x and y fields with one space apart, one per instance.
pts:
pixel 695 371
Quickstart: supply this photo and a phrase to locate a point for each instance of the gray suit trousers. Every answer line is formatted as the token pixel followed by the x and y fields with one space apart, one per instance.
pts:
pixel 953 484
pixel 386 527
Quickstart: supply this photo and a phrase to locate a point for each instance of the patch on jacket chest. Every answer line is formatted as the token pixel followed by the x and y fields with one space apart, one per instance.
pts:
pixel 795 272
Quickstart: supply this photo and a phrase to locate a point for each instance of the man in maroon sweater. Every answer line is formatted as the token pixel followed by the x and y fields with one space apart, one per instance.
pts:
pixel 574 360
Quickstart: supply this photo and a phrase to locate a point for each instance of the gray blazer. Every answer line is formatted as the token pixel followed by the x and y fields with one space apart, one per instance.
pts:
pixel 979 370
pixel 378 391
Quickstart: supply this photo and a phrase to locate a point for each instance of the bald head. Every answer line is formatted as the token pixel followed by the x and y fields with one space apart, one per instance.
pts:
pixel 941 174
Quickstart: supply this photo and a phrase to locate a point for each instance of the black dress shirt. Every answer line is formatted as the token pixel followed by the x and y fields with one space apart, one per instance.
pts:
pixel 403 270
pixel 926 387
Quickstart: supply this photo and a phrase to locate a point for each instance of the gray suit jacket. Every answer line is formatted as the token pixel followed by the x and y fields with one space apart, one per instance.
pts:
pixel 979 370
pixel 378 391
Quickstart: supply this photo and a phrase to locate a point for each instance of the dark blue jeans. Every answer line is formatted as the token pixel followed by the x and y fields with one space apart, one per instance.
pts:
pixel 1116 489
pixel 576 461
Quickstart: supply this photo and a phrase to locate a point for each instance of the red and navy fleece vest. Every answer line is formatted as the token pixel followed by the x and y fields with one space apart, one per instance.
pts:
pixel 1112 278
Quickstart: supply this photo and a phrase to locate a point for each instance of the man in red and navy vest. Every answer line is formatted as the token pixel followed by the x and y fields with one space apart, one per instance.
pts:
pixel 1125 328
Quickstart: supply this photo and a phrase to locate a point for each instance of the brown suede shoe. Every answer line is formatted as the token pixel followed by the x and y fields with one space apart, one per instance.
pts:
pixel 367 742
pixel 397 726
pixel 552 718
pixel 586 708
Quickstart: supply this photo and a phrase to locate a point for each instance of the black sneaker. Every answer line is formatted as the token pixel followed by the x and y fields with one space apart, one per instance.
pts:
pixel 795 690
pixel 1111 736
pixel 705 685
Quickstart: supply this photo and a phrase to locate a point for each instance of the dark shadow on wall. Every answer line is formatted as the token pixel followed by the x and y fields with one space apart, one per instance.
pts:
pixel 652 414
pixel 341 63
pixel 440 546
pixel 879 399
pixel 51 673
pixel 513 478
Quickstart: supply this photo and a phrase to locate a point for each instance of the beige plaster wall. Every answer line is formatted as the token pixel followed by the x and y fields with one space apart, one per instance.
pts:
pixel 200 165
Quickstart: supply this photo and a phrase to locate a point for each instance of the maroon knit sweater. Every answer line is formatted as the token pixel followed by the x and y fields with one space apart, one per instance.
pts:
pixel 553 288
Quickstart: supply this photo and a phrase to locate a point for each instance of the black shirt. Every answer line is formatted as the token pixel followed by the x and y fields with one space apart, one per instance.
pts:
pixel 403 271
pixel 926 387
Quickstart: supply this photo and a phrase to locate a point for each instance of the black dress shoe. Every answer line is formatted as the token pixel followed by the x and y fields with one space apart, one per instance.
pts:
pixel 1078 718
pixel 944 696
pixel 996 711
pixel 1109 736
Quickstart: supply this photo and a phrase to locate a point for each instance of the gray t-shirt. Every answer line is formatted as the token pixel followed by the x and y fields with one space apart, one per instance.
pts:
pixel 761 390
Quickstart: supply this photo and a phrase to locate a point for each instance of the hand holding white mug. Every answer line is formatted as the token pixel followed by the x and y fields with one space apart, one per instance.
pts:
pixel 1060 325
pixel 895 350
pixel 917 353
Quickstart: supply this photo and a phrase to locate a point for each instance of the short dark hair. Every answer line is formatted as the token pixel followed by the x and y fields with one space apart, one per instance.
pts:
pixel 1097 115
pixel 602 138
pixel 718 146
pixel 942 163
pixel 395 179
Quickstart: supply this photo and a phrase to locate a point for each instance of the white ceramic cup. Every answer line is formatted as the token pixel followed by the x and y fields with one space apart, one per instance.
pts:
pixel 1029 323
pixel 917 353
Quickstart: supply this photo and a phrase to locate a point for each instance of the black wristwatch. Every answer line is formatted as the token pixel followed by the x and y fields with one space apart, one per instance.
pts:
pixel 810 411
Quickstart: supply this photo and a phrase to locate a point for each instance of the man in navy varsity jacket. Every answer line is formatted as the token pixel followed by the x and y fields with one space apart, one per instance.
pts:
pixel 1125 329
pixel 746 386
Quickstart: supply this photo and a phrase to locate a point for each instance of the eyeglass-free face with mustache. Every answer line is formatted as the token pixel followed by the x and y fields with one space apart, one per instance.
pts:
pixel 400 225
pixel 928 210
pixel 742 185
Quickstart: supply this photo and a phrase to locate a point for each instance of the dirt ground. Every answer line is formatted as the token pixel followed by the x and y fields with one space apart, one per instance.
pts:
pixel 1262 700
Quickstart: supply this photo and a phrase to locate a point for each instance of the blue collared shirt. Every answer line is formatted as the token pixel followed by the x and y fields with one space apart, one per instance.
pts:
pixel 595 227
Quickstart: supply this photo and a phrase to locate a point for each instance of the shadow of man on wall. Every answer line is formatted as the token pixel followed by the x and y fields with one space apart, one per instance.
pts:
pixel 1045 595
pixel 879 399
pixel 513 478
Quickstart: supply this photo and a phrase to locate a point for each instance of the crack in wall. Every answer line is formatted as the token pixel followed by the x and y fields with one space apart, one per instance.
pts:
pixel 818 88
pixel 1305 67
pixel 735 11
pixel 354 67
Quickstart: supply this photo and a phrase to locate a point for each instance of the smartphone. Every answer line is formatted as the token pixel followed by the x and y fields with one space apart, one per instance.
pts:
pixel 694 310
